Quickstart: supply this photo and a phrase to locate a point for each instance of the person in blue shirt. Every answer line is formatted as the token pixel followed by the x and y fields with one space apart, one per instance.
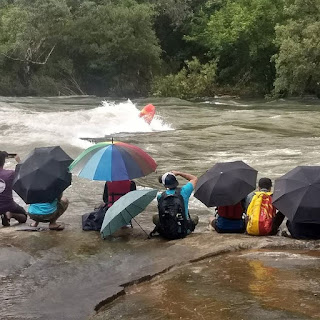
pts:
pixel 49 212
pixel 171 183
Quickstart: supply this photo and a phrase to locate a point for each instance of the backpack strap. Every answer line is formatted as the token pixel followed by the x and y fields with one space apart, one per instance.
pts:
pixel 178 193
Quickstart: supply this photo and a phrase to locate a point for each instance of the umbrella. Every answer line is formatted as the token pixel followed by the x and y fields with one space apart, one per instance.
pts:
pixel 226 183
pixel 43 175
pixel 125 209
pixel 113 161
pixel 297 194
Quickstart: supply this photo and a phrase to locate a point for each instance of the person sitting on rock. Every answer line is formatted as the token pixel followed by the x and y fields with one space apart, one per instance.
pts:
pixel 229 219
pixel 303 231
pixel 173 220
pixel 262 217
pixel 8 207
pixel 113 190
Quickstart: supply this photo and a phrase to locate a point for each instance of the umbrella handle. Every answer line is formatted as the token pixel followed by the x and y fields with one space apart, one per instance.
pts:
pixel 140 226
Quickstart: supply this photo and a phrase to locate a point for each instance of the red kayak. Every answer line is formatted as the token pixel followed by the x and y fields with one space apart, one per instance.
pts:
pixel 147 113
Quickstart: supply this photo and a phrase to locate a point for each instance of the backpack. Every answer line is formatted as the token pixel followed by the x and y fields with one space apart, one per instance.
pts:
pixel 93 220
pixel 173 223
pixel 260 214
pixel 231 212
pixel 114 190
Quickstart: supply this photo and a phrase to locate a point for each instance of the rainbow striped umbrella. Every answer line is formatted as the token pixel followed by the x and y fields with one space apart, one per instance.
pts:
pixel 113 161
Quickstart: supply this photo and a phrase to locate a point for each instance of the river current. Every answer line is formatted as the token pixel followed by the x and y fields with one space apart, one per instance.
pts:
pixel 271 136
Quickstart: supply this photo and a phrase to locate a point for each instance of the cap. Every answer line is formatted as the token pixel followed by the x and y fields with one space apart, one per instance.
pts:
pixel 169 180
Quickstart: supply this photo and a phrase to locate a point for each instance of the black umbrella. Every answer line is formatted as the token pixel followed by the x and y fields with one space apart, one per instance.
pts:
pixel 226 183
pixel 297 194
pixel 43 175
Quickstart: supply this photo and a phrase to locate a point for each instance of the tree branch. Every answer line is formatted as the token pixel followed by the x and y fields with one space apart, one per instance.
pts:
pixel 30 61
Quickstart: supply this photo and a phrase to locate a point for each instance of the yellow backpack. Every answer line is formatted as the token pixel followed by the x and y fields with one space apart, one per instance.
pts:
pixel 260 214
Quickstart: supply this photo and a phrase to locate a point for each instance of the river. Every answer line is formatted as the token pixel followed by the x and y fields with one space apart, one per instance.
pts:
pixel 271 136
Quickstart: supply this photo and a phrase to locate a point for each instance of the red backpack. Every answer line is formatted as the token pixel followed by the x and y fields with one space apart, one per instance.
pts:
pixel 231 212
pixel 116 189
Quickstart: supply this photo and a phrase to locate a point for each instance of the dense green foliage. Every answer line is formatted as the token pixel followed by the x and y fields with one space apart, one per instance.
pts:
pixel 182 48
pixel 194 80
pixel 59 46
pixel 298 57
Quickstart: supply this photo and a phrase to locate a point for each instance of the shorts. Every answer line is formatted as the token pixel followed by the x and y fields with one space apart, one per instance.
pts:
pixel 61 208
pixel 225 225
pixel 12 207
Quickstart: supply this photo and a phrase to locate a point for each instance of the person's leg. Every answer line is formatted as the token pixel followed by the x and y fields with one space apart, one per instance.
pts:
pixel 213 224
pixel 62 207
pixel 20 217
pixel 36 219
pixel 278 219
pixel 192 222
pixel 5 220
pixel 194 219
pixel 155 219
pixel 16 212
pixel 156 222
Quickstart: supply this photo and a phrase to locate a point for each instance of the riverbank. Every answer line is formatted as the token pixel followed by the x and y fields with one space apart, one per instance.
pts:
pixel 73 274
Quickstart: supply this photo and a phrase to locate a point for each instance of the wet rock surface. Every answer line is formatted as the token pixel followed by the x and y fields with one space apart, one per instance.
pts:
pixel 259 284
pixel 72 274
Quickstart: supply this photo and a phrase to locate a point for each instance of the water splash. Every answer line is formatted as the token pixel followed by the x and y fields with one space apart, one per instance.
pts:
pixel 21 125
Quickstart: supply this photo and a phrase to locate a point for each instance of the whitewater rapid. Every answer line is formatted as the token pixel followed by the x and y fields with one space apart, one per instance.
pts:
pixel 21 124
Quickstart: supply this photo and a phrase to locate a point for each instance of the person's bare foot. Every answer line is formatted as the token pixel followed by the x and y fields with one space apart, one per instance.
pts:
pixel 34 224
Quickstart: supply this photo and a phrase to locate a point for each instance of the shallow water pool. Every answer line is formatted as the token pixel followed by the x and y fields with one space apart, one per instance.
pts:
pixel 259 284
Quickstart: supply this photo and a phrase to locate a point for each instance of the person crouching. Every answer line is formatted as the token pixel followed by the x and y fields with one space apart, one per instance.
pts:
pixel 49 212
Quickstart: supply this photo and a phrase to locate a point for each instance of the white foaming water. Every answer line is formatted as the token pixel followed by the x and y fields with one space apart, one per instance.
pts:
pixel 20 125
pixel 226 103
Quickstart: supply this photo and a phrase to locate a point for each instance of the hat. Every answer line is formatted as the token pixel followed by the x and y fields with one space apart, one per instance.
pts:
pixel 169 180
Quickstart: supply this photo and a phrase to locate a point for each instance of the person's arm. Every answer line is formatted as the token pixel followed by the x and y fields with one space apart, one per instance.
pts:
pixel 17 158
pixel 193 179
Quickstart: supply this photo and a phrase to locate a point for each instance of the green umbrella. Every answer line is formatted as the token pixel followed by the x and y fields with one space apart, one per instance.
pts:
pixel 125 209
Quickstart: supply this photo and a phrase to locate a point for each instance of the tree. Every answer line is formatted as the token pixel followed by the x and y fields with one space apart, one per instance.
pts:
pixel 30 32
pixel 115 45
pixel 240 34
pixel 194 80
pixel 298 59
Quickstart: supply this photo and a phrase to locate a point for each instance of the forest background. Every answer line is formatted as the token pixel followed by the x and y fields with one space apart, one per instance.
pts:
pixel 177 48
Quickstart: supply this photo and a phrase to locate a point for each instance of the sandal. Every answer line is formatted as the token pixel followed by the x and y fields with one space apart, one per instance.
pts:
pixel 59 227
